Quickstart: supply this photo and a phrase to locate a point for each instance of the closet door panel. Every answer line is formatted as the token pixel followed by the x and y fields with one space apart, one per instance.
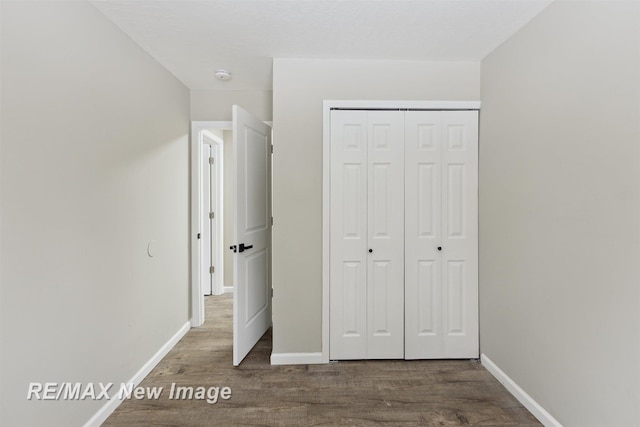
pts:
pixel 349 263
pixel 423 235
pixel 460 233
pixel 385 284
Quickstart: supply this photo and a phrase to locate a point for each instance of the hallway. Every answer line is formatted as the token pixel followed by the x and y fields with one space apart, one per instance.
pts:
pixel 454 392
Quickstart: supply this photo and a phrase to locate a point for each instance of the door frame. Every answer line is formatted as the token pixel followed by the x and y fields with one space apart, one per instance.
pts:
pixel 327 106
pixel 198 130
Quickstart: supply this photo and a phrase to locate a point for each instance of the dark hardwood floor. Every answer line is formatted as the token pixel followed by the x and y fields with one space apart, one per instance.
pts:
pixel 402 393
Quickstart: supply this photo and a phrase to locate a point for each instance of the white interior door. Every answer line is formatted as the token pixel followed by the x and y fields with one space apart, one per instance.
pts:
pixel 252 232
pixel 441 255
pixel 213 217
pixel 367 234
pixel 211 273
pixel 207 230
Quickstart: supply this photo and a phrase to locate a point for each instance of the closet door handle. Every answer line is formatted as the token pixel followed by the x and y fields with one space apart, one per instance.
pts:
pixel 370 251
pixel 439 248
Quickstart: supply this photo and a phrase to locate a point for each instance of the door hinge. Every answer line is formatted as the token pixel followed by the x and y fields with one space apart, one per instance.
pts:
pixel 211 160
pixel 271 292
pixel 272 221
pixel 212 270
pixel 271 148
pixel 212 215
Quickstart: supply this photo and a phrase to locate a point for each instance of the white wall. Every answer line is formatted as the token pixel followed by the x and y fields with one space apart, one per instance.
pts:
pixel 560 211
pixel 299 87
pixel 94 165
pixel 216 104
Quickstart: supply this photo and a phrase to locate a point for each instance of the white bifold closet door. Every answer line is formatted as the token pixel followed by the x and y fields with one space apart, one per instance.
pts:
pixel 441 239
pixel 367 235
pixel 404 235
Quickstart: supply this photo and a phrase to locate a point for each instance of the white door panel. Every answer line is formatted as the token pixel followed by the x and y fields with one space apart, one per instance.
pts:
pixel 367 301
pixel 215 230
pixel 348 291
pixel 460 238
pixel 441 235
pixel 206 234
pixel 252 266
pixel 423 225
pixel 385 284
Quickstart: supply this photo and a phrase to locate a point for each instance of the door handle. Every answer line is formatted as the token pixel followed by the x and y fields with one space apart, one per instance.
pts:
pixel 242 247
pixel 439 248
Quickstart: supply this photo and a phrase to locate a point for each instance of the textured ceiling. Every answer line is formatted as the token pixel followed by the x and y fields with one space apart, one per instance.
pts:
pixel 192 39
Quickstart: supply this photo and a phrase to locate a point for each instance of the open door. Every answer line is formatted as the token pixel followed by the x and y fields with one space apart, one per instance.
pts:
pixel 252 232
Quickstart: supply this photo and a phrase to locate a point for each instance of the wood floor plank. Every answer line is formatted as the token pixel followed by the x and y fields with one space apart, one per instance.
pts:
pixel 354 393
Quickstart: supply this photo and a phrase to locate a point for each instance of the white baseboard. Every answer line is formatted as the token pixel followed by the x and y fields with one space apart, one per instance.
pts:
pixel 527 401
pixel 296 358
pixel 111 405
pixel 228 289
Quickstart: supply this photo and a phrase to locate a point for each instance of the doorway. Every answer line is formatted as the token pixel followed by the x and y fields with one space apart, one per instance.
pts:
pixel 231 178
pixel 211 148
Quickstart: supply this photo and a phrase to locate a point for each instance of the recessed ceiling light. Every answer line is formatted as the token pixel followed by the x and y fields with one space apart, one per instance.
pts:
pixel 222 75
